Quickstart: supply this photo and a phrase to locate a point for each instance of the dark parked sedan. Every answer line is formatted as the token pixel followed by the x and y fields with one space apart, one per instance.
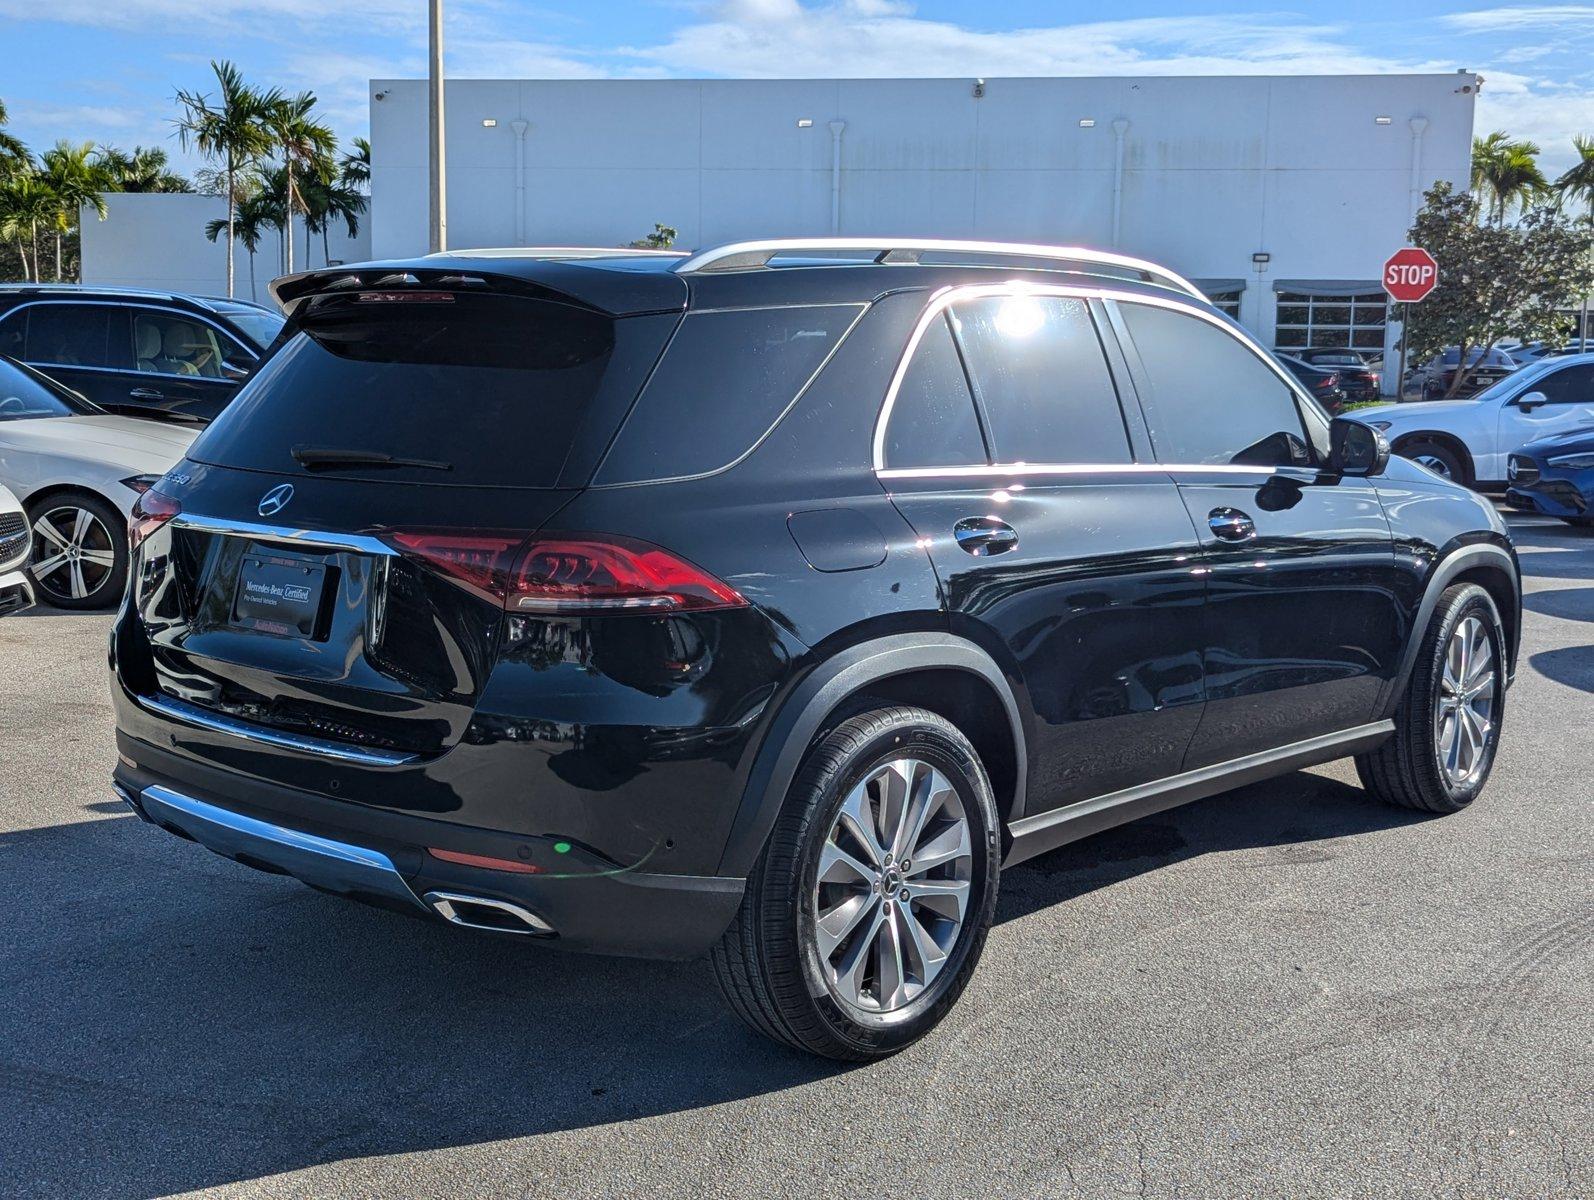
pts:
pixel 1323 382
pixel 1357 380
pixel 1555 476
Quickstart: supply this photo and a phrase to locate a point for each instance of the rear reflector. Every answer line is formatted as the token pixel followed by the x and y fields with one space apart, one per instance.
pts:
pixel 567 573
pixel 483 861
pixel 150 511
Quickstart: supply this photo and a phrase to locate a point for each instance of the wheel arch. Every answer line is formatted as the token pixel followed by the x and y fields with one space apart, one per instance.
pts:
pixel 940 672
pixel 1449 441
pixel 1493 567
pixel 51 490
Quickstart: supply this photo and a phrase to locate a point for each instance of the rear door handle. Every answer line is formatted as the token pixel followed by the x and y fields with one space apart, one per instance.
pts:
pixel 1231 525
pixel 147 394
pixel 983 536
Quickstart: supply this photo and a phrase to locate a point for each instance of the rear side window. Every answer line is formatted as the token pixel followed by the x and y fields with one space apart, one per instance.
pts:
pixel 495 386
pixel 933 423
pixel 726 379
pixel 1042 380
pixel 77 335
pixel 1210 398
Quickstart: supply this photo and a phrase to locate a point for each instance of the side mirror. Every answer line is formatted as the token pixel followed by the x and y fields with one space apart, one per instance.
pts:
pixel 1532 400
pixel 1356 449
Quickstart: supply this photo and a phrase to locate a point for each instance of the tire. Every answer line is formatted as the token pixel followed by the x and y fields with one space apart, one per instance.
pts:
pixel 97 577
pixel 1439 459
pixel 1410 769
pixel 772 963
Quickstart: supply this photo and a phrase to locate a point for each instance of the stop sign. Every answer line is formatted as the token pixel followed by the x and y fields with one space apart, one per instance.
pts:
pixel 1410 274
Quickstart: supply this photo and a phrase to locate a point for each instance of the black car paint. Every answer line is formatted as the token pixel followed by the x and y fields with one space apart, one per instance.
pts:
pixel 1119 645
pixel 130 391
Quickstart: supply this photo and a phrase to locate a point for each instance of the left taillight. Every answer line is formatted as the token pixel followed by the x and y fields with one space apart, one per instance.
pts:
pixel 150 511
pixel 567 573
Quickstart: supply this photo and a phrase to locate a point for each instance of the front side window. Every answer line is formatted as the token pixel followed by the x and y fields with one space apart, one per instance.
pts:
pixel 74 335
pixel 1209 398
pixel 1041 378
pixel 1569 385
pixel 933 423
pixel 168 344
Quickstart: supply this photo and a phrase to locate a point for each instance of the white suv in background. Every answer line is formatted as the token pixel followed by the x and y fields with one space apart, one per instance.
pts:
pixel 16 591
pixel 1470 440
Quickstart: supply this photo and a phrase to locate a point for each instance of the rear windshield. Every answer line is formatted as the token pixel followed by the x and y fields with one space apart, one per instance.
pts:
pixel 495 388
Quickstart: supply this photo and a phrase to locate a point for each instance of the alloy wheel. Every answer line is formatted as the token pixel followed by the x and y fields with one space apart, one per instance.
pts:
pixel 1437 465
pixel 1464 703
pixel 73 553
pixel 892 886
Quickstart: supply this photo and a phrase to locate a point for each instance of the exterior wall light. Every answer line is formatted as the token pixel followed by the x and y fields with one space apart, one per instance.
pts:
pixel 489 122
pixel 805 123
pixel 1087 122
pixel 1383 120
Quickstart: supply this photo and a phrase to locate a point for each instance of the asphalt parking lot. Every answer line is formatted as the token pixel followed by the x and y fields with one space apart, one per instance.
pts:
pixel 1287 990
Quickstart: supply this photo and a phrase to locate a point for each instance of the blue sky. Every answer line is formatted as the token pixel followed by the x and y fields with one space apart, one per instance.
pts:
pixel 105 70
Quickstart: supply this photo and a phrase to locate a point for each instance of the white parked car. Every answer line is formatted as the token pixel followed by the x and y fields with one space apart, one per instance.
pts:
pixel 77 470
pixel 1470 440
pixel 16 591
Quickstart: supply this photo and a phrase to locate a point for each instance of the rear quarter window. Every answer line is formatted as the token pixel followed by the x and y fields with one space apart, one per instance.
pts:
pixel 726 379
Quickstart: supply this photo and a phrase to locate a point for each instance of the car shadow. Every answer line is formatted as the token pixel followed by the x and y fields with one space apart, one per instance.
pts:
pixel 1571 604
pixel 1570 665
pixel 178 1022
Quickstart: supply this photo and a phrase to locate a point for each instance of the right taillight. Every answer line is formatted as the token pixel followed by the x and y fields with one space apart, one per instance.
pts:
pixel 150 511
pixel 569 573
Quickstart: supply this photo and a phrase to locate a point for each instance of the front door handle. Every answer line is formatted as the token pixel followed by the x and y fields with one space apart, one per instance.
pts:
pixel 146 394
pixel 1231 525
pixel 983 536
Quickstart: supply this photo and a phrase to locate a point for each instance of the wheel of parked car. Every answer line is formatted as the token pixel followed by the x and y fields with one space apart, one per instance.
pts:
pixel 867 913
pixel 79 557
pixel 1448 724
pixel 1440 459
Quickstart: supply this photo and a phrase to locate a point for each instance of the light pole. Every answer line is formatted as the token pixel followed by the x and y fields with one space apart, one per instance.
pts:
pixel 438 226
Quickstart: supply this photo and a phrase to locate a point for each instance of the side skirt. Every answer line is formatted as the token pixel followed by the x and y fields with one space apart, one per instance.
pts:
pixel 1049 830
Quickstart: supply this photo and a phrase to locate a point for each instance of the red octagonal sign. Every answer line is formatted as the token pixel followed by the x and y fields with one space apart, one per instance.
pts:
pixel 1410 274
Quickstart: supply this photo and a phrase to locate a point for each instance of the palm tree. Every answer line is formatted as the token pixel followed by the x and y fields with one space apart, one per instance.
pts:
pixel 325 204
pixel 25 204
pixel 73 175
pixel 1506 173
pixel 305 147
pixel 1578 184
pixel 14 155
pixel 233 130
pixel 255 214
pixel 144 169
pixel 354 170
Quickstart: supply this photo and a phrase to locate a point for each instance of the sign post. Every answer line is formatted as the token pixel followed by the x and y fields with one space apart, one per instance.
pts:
pixel 1410 273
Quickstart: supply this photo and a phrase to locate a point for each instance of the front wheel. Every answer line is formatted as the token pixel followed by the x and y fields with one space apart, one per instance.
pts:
pixel 1447 728
pixel 1440 459
pixel 867 911
pixel 79 557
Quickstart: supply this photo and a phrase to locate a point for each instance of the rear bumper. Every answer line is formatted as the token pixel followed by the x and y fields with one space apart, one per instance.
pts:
pixel 574 899
pixel 16 592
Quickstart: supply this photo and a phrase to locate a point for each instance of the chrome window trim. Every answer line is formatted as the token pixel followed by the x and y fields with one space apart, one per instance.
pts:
pixel 191 714
pixel 1020 470
pixel 358 543
pixel 198 318
pixel 946 297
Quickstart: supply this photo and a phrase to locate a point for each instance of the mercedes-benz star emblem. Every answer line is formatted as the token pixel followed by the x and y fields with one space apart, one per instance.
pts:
pixel 1513 469
pixel 274 501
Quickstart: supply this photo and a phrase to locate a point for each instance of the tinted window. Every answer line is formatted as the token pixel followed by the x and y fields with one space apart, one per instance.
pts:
pixel 496 386
pixel 165 343
pixel 22 397
pixel 726 378
pixel 933 423
pixel 14 333
pixel 259 327
pixel 1569 385
pixel 1209 399
pixel 1039 371
pixel 76 335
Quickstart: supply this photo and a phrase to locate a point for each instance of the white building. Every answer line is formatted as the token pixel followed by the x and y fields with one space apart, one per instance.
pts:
pixel 1282 196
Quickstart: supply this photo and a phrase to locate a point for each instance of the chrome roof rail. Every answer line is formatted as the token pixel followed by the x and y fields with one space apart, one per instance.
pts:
pixel 738 256
pixel 554 252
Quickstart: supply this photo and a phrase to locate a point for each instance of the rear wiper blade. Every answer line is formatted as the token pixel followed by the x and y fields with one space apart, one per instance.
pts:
pixel 325 458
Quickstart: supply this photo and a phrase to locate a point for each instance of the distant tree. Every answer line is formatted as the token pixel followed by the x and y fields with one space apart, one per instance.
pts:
pixel 26 204
pixel 1495 279
pixel 14 155
pixel 232 130
pixel 1506 173
pixel 255 214
pixel 1577 185
pixel 325 204
pixel 354 170
pixel 143 169
pixel 73 175
pixel 305 146
pixel 662 238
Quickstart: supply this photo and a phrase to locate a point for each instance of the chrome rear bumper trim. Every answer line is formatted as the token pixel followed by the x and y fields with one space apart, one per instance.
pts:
pixel 359 543
pixel 192 714
pixel 321 862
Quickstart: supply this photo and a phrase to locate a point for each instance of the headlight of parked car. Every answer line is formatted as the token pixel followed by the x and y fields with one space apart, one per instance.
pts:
pixel 1577 462
pixel 141 483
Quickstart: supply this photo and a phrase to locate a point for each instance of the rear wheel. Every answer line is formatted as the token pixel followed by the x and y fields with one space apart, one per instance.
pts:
pixel 1447 728
pixel 79 557
pixel 867 912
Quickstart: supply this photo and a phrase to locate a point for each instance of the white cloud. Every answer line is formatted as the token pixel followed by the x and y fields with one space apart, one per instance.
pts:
pixel 1573 18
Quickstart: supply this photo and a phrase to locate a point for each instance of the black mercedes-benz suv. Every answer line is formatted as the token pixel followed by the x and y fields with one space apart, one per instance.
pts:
pixel 765 603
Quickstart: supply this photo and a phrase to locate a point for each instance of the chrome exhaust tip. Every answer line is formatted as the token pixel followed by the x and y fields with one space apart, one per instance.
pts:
pixel 479 912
